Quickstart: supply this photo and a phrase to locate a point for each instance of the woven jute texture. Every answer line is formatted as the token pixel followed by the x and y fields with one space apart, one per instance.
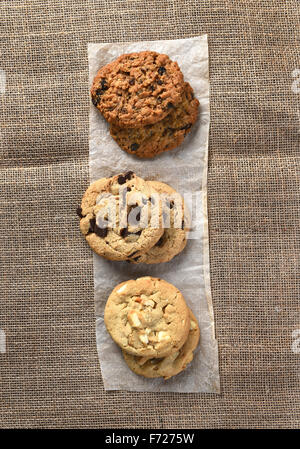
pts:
pixel 50 375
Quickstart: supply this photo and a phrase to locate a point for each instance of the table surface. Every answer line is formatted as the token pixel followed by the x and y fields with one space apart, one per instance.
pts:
pixel 50 375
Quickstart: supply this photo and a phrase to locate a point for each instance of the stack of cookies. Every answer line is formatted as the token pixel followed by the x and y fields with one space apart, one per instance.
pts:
pixel 150 321
pixel 149 106
pixel 127 218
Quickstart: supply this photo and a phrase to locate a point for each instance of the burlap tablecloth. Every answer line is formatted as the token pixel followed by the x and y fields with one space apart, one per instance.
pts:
pixel 50 375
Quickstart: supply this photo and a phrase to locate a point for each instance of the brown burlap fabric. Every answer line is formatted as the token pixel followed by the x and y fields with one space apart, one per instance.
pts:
pixel 50 375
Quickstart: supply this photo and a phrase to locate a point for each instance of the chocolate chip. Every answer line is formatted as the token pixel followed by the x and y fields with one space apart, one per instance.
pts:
pixel 152 88
pixel 131 82
pixel 121 180
pixel 92 225
pixel 170 105
pixel 124 232
pixel 161 70
pixel 128 175
pixel 104 85
pixel 160 242
pixel 101 232
pixel 134 147
pixel 159 99
pixel 79 212
pixel 95 100
pixel 99 92
pixel 159 82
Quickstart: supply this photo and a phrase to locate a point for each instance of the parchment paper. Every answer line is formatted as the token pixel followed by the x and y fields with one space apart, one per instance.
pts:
pixel 185 169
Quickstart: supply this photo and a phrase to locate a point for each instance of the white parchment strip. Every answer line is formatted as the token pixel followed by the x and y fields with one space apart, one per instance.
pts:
pixel 185 169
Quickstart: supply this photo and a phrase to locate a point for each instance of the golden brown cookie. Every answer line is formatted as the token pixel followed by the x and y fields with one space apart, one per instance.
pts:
pixel 120 217
pixel 165 135
pixel 147 317
pixel 171 365
pixel 174 238
pixel 137 89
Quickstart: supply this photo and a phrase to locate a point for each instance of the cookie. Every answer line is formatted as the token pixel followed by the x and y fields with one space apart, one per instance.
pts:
pixel 121 217
pixel 174 238
pixel 165 135
pixel 171 365
pixel 137 89
pixel 147 317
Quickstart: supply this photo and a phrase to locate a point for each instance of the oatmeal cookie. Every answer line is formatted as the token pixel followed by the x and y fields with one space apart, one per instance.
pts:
pixel 165 135
pixel 137 89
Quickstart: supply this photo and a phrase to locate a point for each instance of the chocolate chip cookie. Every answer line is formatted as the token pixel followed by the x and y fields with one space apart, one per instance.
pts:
pixel 121 217
pixel 167 134
pixel 175 223
pixel 147 317
pixel 171 365
pixel 137 89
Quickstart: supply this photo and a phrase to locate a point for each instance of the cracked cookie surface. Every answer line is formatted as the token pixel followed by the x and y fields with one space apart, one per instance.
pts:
pixel 147 317
pixel 121 217
pixel 137 89
pixel 175 221
pixel 171 365
pixel 167 134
